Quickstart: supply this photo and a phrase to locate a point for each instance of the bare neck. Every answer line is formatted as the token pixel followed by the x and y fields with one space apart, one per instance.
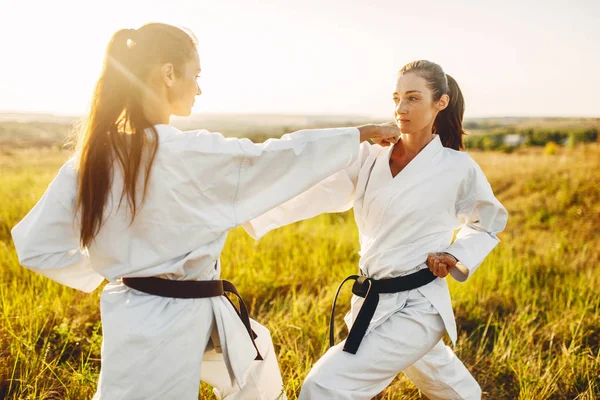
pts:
pixel 410 144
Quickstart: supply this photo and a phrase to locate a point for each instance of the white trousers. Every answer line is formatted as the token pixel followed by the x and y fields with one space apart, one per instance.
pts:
pixel 441 375
pixel 263 378
pixel 156 348
pixel 409 341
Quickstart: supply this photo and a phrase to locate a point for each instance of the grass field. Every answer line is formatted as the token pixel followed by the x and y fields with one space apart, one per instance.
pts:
pixel 529 320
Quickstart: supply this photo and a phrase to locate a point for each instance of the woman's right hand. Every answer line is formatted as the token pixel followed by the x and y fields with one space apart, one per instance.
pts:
pixel 382 134
pixel 440 264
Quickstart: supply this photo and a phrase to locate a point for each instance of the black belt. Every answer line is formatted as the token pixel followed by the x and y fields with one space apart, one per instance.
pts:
pixel 193 290
pixel 370 288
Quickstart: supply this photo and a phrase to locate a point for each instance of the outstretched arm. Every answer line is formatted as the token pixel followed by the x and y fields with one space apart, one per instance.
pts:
pixel 333 194
pixel 316 187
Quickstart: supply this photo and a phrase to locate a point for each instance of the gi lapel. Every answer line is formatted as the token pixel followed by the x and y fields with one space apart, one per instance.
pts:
pixel 402 183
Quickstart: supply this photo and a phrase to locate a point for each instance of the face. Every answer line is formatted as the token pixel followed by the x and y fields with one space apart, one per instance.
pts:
pixel 184 87
pixel 415 109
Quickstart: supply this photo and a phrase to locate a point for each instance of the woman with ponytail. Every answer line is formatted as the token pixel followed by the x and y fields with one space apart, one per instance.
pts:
pixel 148 208
pixel 408 200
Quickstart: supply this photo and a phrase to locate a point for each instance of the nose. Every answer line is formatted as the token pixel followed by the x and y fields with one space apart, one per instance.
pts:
pixel 198 91
pixel 400 108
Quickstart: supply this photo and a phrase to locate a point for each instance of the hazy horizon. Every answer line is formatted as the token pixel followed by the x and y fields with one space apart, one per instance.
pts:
pixel 200 114
pixel 511 58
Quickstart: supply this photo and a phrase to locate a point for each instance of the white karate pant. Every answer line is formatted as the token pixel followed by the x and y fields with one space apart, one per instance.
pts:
pixel 156 348
pixel 441 375
pixel 263 378
pixel 409 341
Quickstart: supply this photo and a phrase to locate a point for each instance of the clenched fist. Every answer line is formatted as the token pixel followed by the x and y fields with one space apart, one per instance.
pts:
pixel 440 264
pixel 383 134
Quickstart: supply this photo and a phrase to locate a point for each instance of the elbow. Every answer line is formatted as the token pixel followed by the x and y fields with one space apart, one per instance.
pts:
pixel 26 252
pixel 37 262
pixel 28 255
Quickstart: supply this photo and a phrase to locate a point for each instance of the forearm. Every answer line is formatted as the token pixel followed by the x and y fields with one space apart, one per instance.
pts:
pixel 366 132
pixel 379 132
pixel 470 249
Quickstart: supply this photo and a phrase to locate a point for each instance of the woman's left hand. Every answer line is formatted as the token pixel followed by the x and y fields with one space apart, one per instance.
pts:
pixel 383 134
pixel 389 140
pixel 440 264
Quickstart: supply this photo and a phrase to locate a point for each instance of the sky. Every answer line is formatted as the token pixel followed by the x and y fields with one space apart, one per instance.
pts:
pixel 510 57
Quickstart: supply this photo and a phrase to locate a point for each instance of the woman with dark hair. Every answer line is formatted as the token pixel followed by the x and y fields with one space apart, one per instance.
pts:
pixel 148 208
pixel 408 200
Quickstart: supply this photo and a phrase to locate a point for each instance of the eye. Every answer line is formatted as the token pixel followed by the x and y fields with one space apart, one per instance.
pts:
pixel 413 98
pixel 395 100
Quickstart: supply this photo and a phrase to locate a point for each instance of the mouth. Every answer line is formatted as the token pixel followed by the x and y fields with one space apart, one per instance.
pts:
pixel 403 121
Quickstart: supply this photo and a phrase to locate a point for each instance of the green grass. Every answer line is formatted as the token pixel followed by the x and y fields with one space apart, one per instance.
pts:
pixel 529 320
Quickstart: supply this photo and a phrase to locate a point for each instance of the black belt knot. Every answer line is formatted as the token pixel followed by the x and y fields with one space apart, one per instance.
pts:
pixel 369 289
pixel 361 286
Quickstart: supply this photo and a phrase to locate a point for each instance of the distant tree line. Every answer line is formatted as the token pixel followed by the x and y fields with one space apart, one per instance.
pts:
pixel 15 134
pixel 506 139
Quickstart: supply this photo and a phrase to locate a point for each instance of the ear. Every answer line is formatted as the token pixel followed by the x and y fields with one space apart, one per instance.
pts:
pixel 167 74
pixel 443 102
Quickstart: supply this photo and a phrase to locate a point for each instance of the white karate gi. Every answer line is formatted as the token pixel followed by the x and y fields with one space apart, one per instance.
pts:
pixel 201 186
pixel 401 220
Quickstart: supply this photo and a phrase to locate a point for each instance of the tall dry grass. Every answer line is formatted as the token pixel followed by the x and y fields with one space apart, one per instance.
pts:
pixel 529 320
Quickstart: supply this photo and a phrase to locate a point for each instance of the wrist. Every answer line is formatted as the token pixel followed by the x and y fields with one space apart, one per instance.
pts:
pixel 366 132
pixel 455 259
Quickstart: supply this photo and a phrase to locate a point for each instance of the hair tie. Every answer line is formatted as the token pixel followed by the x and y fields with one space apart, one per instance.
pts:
pixel 131 38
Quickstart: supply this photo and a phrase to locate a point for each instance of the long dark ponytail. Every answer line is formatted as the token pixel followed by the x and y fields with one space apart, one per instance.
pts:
pixel 448 123
pixel 116 127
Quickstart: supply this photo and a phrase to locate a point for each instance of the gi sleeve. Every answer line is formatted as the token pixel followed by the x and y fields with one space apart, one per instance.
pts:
pixel 278 170
pixel 482 217
pixel 47 239
pixel 333 194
